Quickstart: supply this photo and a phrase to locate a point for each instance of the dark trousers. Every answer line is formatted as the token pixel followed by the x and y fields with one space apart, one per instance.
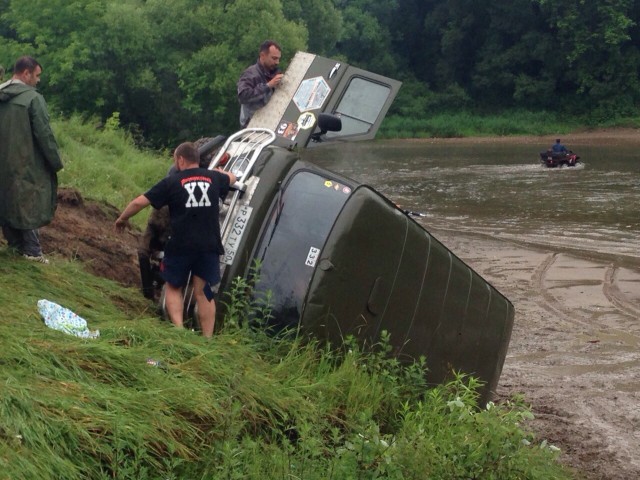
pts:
pixel 25 241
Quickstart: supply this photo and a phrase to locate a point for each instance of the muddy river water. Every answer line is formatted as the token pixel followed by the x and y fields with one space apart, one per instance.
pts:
pixel 563 245
pixel 502 190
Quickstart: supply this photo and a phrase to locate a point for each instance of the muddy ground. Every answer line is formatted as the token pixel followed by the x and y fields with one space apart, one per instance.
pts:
pixel 575 347
pixel 83 230
pixel 574 351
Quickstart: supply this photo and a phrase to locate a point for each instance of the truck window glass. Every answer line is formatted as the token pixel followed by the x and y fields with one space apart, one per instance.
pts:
pixel 360 106
pixel 298 224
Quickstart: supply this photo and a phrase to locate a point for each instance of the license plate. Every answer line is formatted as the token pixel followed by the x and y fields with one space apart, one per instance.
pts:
pixel 312 257
pixel 236 231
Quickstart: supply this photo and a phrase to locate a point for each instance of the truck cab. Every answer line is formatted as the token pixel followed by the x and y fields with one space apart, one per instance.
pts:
pixel 336 257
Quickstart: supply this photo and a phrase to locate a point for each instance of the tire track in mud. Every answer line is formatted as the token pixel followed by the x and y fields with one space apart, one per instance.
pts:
pixel 595 431
pixel 613 293
pixel 579 370
pixel 547 300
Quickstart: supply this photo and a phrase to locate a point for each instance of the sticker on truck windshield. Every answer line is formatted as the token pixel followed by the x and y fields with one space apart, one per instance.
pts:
pixel 337 187
pixel 312 257
pixel 235 234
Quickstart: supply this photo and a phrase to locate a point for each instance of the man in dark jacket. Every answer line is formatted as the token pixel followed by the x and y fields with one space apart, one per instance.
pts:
pixel 29 160
pixel 257 82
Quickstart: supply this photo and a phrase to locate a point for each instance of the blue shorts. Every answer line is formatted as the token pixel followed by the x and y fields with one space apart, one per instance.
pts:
pixel 175 268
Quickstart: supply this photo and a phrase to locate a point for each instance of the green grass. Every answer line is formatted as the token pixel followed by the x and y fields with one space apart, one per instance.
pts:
pixel 105 165
pixel 241 406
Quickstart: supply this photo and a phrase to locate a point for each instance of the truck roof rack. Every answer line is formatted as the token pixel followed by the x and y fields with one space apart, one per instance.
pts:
pixel 238 156
pixel 240 152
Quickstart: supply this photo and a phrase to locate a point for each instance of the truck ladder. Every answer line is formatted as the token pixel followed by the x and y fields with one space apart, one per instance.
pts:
pixel 241 150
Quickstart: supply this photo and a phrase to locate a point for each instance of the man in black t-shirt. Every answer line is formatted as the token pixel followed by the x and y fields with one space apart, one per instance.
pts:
pixel 195 245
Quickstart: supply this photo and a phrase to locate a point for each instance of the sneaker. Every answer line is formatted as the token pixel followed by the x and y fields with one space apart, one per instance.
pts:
pixel 38 258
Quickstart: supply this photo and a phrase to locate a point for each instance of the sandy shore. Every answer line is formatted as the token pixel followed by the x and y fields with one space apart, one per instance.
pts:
pixel 574 351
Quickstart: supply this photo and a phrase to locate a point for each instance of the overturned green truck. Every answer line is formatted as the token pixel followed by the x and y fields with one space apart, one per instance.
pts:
pixel 337 257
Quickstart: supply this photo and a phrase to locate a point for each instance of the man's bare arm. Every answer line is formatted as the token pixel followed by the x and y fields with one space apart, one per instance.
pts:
pixel 132 209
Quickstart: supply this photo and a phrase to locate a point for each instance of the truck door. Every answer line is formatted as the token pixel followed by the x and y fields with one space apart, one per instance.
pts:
pixel 314 85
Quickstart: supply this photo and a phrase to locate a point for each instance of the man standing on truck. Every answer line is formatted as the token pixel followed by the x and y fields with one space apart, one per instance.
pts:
pixel 258 82
pixel 195 245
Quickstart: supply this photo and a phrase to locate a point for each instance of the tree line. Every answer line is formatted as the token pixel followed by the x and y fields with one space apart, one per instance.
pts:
pixel 167 69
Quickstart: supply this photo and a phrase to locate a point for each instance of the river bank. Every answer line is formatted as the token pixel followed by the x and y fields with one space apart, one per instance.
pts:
pixel 601 136
pixel 575 349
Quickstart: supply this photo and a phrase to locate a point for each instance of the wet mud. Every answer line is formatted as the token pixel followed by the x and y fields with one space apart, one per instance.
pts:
pixel 574 351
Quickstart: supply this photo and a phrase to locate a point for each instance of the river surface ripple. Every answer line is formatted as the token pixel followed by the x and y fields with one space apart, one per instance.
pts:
pixel 502 190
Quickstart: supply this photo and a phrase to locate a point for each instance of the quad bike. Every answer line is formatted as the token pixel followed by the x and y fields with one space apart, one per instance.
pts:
pixel 553 159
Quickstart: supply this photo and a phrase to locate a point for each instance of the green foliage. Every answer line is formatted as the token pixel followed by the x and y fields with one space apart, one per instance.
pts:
pixel 414 100
pixel 170 68
pixel 113 122
pixel 242 302
pixel 366 36
pixel 465 123
pixel 322 20
pixel 597 48
pixel 239 406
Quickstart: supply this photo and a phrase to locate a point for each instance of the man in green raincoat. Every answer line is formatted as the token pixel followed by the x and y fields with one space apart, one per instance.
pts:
pixel 29 160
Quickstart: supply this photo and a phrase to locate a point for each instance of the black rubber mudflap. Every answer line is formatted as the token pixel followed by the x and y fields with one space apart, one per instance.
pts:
pixel 146 276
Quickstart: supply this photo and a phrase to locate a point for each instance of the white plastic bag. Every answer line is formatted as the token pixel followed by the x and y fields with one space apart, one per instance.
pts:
pixel 64 320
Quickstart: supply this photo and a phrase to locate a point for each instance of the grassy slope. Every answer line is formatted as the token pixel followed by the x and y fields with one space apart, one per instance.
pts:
pixel 241 406
pixel 105 166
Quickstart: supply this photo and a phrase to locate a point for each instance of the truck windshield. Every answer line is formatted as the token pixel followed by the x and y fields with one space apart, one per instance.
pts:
pixel 298 224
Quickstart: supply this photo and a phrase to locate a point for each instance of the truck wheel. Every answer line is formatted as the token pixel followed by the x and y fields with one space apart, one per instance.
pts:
pixel 208 147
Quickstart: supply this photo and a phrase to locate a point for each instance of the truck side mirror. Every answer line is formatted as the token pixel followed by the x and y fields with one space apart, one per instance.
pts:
pixel 327 122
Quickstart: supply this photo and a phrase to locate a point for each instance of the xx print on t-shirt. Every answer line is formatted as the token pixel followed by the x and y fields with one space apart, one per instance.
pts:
pixel 197 188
